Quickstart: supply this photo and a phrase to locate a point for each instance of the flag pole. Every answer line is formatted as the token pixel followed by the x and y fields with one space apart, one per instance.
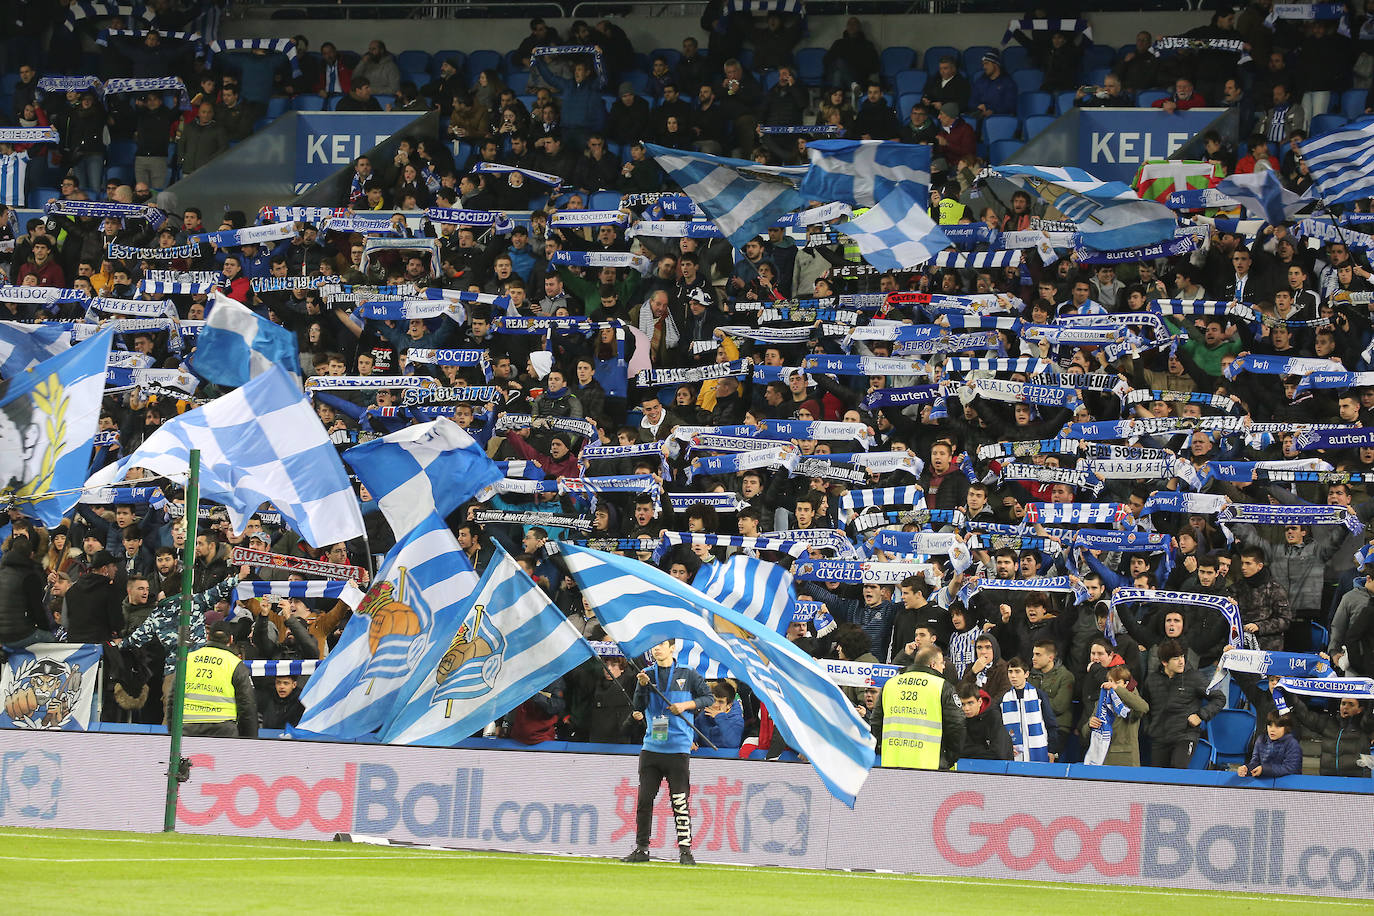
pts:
pixel 176 770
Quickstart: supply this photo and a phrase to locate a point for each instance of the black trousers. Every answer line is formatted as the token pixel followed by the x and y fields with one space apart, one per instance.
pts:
pixel 1175 755
pixel 653 769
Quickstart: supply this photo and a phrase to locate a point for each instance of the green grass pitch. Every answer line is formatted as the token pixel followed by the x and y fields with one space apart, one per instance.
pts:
pixel 71 871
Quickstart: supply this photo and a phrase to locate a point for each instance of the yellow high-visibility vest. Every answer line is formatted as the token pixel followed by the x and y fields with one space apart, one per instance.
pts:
pixel 951 211
pixel 210 686
pixel 912 721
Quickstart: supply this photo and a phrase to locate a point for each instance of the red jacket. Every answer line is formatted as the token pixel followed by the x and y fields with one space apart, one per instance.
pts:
pixel 960 142
pixel 565 468
pixel 1193 101
pixel 50 274
pixel 345 78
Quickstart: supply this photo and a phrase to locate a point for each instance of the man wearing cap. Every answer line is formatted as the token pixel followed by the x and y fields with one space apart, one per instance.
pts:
pixel 956 140
pixel 219 700
pixel 95 603
pixel 994 92
pixel 629 117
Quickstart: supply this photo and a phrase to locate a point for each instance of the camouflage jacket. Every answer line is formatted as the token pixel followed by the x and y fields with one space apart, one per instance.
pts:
pixel 161 624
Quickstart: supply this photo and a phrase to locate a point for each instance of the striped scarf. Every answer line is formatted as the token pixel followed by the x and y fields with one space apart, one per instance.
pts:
pixel 1026 724
pixel 961 648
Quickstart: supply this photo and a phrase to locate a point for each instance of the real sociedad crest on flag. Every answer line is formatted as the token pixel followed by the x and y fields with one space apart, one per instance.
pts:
pixel 470 666
pixel 396 636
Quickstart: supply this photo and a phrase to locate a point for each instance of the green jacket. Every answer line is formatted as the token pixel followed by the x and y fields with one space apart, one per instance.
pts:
pixel 1057 684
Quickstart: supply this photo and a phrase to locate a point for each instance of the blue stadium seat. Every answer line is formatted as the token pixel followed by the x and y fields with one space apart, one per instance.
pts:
pixel 811 65
pixel 1030 104
pixel 905 102
pixel 933 55
pixel 671 55
pixel 484 59
pixel 277 105
pixel 1000 151
pixel 1228 731
pixel 438 57
pixel 999 127
pixel 350 58
pixel 413 60
pixel 1063 101
pixel 768 80
pixel 518 81
pixel 1015 57
pixel 420 78
pixel 7 83
pixel 124 174
pixel 1148 97
pixel 1352 103
pixel 894 60
pixel 1325 123
pixel 746 58
pixel 1095 56
pixel 907 81
pixel 973 59
pixel 1036 123
pixel 1096 76
pixel 1203 755
pixel 39 197
pixel 526 100
pixel 1028 80
pixel 604 200
pixel 638 79
pixel 1321 636
pixel 508 63
pixel 308 103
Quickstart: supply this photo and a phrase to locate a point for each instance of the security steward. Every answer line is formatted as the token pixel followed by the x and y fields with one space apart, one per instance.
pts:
pixel 219 701
pixel 920 723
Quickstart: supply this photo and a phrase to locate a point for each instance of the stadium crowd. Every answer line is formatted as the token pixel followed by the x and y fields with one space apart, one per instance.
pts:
pixel 693 308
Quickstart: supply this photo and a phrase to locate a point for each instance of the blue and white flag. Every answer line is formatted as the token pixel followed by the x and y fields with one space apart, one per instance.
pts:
pixel 506 643
pixel 50 686
pixel 1261 194
pixel 420 470
pixel 641 606
pixel 48 420
pixel 417 596
pixel 1340 162
pixel 1109 214
pixel 897 234
pixel 260 443
pixel 23 346
pixel 236 345
pixel 746 585
pixel 743 198
pixel 863 172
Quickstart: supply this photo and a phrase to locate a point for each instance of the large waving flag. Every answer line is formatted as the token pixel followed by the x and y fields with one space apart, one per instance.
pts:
pixel 237 345
pixel 863 172
pixel 641 606
pixel 1340 162
pixel 1109 215
pixel 1158 178
pixel 1261 194
pixel 48 420
pixel 742 198
pixel 418 592
pixel 260 443
pixel 750 586
pixel 897 234
pixel 23 346
pixel 512 642
pixel 419 470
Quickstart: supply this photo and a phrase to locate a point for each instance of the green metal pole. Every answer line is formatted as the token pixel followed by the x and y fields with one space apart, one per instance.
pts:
pixel 188 559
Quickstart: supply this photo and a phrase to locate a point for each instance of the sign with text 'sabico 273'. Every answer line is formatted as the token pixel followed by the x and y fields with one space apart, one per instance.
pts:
pixel 327 141
pixel 1113 142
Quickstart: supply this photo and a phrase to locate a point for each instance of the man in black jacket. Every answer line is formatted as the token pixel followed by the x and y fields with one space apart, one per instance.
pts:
pixel 1179 704
pixel 152 132
pixel 1345 736
pixel 21 597
pixel 95 603
pixel 985 737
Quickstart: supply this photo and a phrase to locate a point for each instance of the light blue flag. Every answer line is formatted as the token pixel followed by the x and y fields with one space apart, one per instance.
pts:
pixel 1261 194
pixel 417 597
pixel 897 234
pixel 641 606
pixel 511 643
pixel 1110 216
pixel 236 345
pixel 414 472
pixel 1340 162
pixel 23 346
pixel 48 420
pixel 743 198
pixel 259 443
pixel 863 172
pixel 750 586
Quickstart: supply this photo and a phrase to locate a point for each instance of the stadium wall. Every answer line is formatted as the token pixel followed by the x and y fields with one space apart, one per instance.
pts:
pixel 745 812
pixel 648 32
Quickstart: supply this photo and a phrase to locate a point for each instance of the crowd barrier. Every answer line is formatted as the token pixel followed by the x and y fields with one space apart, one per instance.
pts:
pixel 1224 837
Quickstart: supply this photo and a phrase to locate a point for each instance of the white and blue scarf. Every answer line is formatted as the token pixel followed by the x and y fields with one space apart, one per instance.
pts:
pixel 117 252
pixel 1226 606
pixel 1024 721
pixel 864 365
pixel 1060 584
pixel 278 45
pixel 618 259
pixel 250 235
pixel 785 457
pixel 103 208
pixel 582 50
pixel 656 377
pixel 997 389
pixel 861 571
pixel 1027 447
pixel 1110 707
pixel 1076 513
pixel 793 549
pixel 496 168
pixel 721 502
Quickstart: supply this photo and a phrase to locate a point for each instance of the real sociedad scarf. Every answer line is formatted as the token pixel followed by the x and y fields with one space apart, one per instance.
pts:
pixel 721 502
pixel 1309 668
pixel 675 229
pixel 814 613
pixel 1028 447
pixel 1285 476
pixel 610 545
pixel 400 309
pixel 1224 605
pixel 1246 471
pixel 1026 365
pixel 1184 503
pixel 767 316
pixel 1110 707
pixel 278 45
pixel 103 208
pixel 594 452
pixel 655 377
pixel 461 217
pixel 815 429
pixel 1104 430
pixel 1361 688
pixel 496 168
pixel 864 365
pixel 925 543
pixel 1128 452
pixel 65 84
pixel 952 343
pixel 618 259
pixel 134 326
pixel 591 51
pixel 786 457
pixel 533 519
pixel 850 500
pixel 300 214
pixel 1347 437
pixel 767 335
pixel 860 571
pixel 1277 365
pixel 882 462
pixel 117 252
pixel 1166 249
pixel 174 288
pixel 1044 474
pixel 793 549
pixel 1335 379
pixel 364 225
pixel 1095 381
pixel 1061 584
pixel 588 218
pixel 250 235
pixel 828 469
pixel 147 84
pixel 450 357
pixel 44 294
pixel 577 427
pixel 29 135
pixel 1143 469
pixel 1263 514
pixel 367 382
pixel 1143 395
pixel 139 308
pixel 1120 541
pixel 1074 336
pixel 1025 393
pixel 1025 722
pixel 709 442
pixel 286 284
pixel 1076 513
pixel 411 397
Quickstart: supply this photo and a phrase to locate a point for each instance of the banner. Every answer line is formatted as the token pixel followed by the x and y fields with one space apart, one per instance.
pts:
pixel 246 556
pixel 1114 142
pixel 52 686
pixel 327 141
